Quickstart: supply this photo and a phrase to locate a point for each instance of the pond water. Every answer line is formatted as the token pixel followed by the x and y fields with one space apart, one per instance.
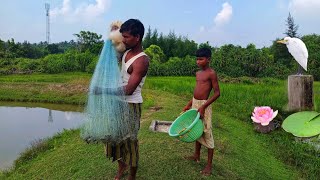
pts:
pixel 20 126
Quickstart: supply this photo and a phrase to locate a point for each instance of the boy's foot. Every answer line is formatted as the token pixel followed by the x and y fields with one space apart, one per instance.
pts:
pixel 206 171
pixel 120 172
pixel 193 158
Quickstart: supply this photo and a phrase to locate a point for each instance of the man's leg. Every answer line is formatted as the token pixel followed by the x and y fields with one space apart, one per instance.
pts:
pixel 134 159
pixel 135 114
pixel 208 169
pixel 122 166
pixel 133 172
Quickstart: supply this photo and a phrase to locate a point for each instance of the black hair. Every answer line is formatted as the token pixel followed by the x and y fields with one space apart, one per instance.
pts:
pixel 203 52
pixel 134 27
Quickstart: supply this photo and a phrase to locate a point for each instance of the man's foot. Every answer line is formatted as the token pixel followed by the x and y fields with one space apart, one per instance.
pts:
pixel 123 168
pixel 193 158
pixel 206 171
pixel 131 177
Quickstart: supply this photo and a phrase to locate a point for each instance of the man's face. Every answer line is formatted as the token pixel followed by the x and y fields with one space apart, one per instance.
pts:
pixel 202 61
pixel 129 40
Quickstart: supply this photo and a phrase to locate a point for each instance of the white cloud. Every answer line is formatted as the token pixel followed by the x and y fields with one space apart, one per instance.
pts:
pixel 282 4
pixel 202 29
pixel 86 12
pixel 224 16
pixel 215 34
pixel 305 8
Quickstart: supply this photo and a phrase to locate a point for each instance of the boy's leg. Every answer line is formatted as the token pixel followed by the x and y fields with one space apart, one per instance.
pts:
pixel 197 151
pixel 196 155
pixel 208 169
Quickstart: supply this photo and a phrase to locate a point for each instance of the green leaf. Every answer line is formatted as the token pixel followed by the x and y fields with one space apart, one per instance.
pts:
pixel 303 124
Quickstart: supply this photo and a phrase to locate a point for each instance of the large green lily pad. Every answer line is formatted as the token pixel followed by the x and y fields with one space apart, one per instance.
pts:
pixel 303 124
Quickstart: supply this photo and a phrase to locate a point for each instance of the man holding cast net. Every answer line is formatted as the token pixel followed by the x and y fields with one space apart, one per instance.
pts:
pixel 113 109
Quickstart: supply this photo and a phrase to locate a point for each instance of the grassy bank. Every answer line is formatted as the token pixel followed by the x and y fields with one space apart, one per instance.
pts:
pixel 240 152
pixel 69 88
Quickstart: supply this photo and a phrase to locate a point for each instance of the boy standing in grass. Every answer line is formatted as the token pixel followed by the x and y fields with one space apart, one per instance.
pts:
pixel 206 80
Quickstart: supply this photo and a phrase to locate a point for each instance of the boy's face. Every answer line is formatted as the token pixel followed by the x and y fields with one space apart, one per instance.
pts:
pixel 202 61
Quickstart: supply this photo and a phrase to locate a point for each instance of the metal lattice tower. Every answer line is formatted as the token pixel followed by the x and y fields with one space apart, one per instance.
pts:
pixel 47 6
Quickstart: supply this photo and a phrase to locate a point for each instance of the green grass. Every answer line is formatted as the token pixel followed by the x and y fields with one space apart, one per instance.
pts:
pixel 238 98
pixel 69 88
pixel 237 101
pixel 240 152
pixel 45 78
pixel 164 154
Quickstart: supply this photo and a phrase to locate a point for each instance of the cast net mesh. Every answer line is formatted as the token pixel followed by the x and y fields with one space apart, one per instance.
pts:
pixel 106 113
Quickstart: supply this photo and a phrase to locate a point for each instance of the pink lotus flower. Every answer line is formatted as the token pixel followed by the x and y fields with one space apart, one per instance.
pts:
pixel 263 115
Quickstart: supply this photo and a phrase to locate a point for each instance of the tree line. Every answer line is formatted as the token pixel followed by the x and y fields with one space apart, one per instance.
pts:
pixel 170 55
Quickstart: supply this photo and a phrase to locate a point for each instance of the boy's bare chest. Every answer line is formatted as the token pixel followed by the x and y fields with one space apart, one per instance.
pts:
pixel 202 77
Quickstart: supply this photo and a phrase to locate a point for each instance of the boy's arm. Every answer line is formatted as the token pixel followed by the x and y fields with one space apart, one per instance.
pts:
pixel 216 89
pixel 188 106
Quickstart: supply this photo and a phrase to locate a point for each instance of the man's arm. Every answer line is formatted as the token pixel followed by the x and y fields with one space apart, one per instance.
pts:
pixel 111 91
pixel 139 70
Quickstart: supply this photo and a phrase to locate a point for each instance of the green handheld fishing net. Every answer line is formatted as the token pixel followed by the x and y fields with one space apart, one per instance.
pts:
pixel 106 112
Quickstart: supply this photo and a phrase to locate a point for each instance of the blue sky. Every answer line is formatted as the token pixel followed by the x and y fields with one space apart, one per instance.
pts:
pixel 217 21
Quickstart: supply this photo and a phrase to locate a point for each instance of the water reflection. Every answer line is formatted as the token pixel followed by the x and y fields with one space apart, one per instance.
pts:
pixel 50 119
pixel 19 126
